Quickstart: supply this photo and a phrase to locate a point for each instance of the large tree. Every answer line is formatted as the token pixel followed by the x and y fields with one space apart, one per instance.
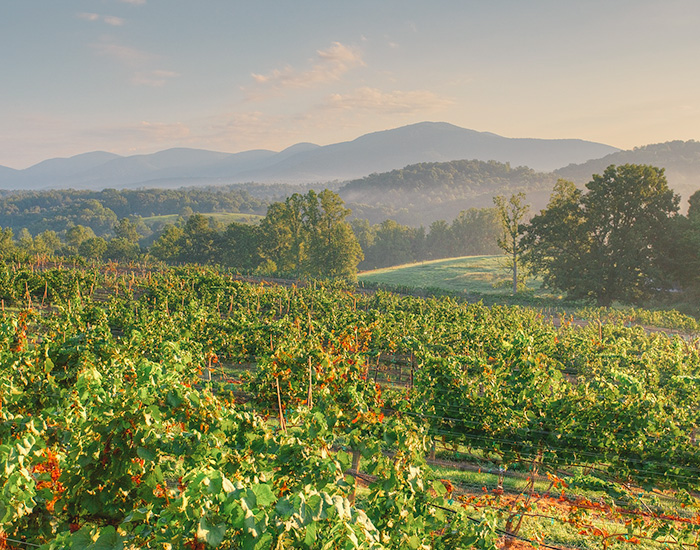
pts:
pixel 608 243
pixel 282 235
pixel 308 235
pixel 682 261
pixel 200 240
pixel 333 250
pixel 556 243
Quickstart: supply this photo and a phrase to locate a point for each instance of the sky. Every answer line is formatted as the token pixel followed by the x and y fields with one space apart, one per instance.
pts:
pixel 140 76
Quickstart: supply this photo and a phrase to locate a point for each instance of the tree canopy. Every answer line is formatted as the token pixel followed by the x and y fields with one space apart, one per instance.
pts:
pixel 609 243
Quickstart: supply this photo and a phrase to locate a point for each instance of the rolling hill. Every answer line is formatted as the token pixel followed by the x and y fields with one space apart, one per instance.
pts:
pixel 422 193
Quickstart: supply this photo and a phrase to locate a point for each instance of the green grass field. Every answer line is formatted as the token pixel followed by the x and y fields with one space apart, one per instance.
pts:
pixel 469 274
pixel 223 217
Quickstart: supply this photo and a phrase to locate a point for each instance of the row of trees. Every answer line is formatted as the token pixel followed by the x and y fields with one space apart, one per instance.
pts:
pixel 473 232
pixel 79 240
pixel 309 235
pixel 621 239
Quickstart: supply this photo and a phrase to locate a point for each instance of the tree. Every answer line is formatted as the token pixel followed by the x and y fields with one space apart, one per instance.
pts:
pixel 121 250
pixel 439 242
pixel 511 214
pixel 556 241
pixel 240 246
pixel 76 234
pixel 94 215
pixel 308 235
pixel 475 231
pixel 609 243
pixel 7 243
pixel 167 246
pixel 25 240
pixel 199 241
pixel 46 243
pixel 282 236
pixel 93 248
pixel 363 232
pixel 333 250
pixel 126 229
pixel 394 244
pixel 682 260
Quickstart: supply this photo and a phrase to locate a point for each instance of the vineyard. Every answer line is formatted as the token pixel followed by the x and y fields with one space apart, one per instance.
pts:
pixel 183 408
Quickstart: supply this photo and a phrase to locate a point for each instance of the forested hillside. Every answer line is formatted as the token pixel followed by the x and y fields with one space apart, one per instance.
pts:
pixel 420 194
pixel 680 160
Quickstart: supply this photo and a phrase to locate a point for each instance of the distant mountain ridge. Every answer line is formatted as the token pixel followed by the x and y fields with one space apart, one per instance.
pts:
pixel 679 159
pixel 302 163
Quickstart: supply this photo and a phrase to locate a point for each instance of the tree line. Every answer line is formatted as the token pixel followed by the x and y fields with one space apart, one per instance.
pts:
pixel 59 209
pixel 304 235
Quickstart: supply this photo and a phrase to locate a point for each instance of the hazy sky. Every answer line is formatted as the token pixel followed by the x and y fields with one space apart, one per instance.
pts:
pixel 138 76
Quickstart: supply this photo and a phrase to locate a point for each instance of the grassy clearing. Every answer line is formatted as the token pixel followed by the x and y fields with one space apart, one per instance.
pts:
pixel 485 278
pixel 468 275
pixel 225 218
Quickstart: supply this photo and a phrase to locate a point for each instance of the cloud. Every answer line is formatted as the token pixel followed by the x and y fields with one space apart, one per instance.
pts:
pixel 156 78
pixel 329 65
pixel 395 102
pixel 123 54
pixel 134 2
pixel 113 20
pixel 138 62
pixel 88 16
pixel 109 19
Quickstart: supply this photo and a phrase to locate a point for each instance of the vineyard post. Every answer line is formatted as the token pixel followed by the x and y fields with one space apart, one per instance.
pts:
pixel 529 493
pixel 46 292
pixel 354 471
pixel 283 423
pixel 356 454
pixel 29 296
pixel 309 399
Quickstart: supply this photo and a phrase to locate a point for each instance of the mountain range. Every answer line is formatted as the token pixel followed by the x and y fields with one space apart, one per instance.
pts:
pixel 302 163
